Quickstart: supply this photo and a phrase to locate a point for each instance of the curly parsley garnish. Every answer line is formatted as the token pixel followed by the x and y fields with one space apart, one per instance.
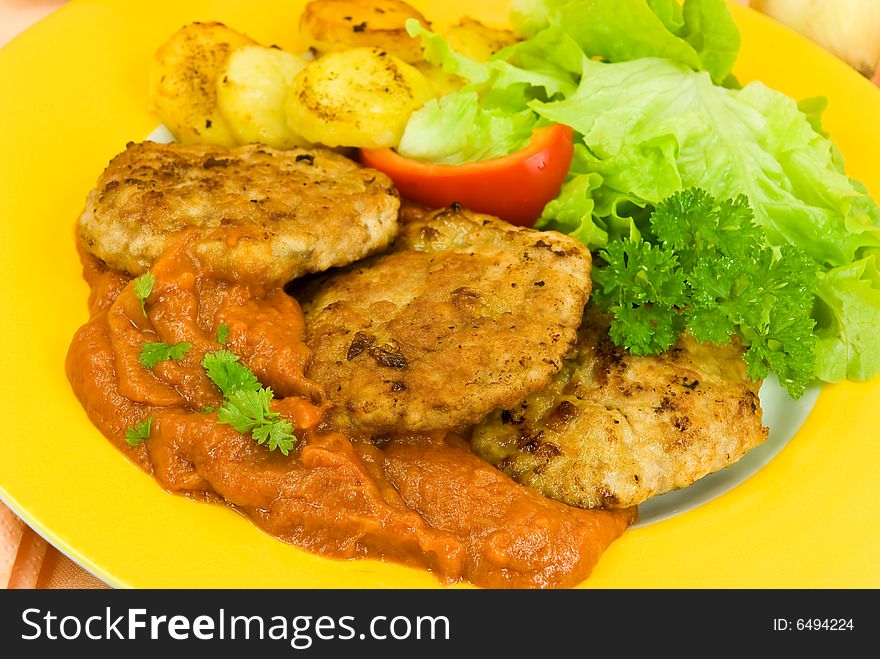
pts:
pixel 246 404
pixel 708 268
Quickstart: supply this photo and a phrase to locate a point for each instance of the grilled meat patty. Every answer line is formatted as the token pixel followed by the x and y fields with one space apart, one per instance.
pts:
pixel 612 429
pixel 467 313
pixel 266 214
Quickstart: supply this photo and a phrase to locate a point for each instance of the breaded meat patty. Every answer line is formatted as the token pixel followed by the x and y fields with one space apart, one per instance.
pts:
pixel 266 214
pixel 467 313
pixel 612 429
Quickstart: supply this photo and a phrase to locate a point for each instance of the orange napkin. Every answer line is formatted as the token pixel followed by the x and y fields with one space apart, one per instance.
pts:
pixel 28 561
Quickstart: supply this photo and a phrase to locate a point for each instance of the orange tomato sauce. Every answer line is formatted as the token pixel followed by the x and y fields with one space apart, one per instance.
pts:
pixel 424 501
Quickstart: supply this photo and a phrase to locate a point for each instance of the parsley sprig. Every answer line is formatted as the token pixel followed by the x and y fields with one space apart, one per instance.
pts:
pixel 246 402
pixel 223 334
pixel 143 286
pixel 139 432
pixel 705 266
pixel 153 353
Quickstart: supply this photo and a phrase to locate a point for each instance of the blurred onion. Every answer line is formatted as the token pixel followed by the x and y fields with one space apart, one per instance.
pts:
pixel 849 29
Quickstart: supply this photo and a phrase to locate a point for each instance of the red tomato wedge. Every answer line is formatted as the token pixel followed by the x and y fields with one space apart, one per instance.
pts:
pixel 515 188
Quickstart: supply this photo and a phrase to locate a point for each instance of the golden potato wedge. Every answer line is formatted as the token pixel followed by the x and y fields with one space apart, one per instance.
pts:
pixel 471 38
pixel 360 97
pixel 251 89
pixel 183 87
pixel 330 25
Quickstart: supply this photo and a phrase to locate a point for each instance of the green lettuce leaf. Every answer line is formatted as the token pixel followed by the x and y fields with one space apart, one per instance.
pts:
pixel 551 51
pixel 647 86
pixel 497 74
pixel 710 30
pixel 651 127
pixel 489 117
pixel 699 34
pixel 670 12
pixel 457 128
pixel 848 320
pixel 531 16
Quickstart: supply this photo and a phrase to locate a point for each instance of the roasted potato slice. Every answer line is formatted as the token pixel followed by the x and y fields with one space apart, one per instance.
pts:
pixel 330 25
pixel 360 97
pixel 183 88
pixel 471 38
pixel 251 89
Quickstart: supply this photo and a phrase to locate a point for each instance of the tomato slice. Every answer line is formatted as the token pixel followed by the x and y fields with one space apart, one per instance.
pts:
pixel 515 188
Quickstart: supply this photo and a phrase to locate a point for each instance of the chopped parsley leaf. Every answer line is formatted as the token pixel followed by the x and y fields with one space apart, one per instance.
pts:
pixel 153 353
pixel 143 286
pixel 230 375
pixel 246 402
pixel 140 432
pixel 223 334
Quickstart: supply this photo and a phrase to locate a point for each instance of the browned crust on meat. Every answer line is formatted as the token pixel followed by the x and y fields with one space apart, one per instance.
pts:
pixel 612 429
pixel 266 214
pixel 467 313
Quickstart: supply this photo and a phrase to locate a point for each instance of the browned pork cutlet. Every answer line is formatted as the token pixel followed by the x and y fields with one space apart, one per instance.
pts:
pixel 467 313
pixel 612 429
pixel 267 214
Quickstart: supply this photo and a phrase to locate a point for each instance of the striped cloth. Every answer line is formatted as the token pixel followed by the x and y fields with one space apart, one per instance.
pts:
pixel 28 561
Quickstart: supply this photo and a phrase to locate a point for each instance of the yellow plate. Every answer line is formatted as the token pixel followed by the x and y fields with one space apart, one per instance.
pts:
pixel 74 93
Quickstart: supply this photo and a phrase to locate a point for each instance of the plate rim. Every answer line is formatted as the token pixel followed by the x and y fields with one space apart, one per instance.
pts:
pixel 90 17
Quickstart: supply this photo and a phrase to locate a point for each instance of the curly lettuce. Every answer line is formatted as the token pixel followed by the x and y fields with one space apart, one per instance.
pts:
pixel 647 86
pixel 651 127
pixel 699 34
